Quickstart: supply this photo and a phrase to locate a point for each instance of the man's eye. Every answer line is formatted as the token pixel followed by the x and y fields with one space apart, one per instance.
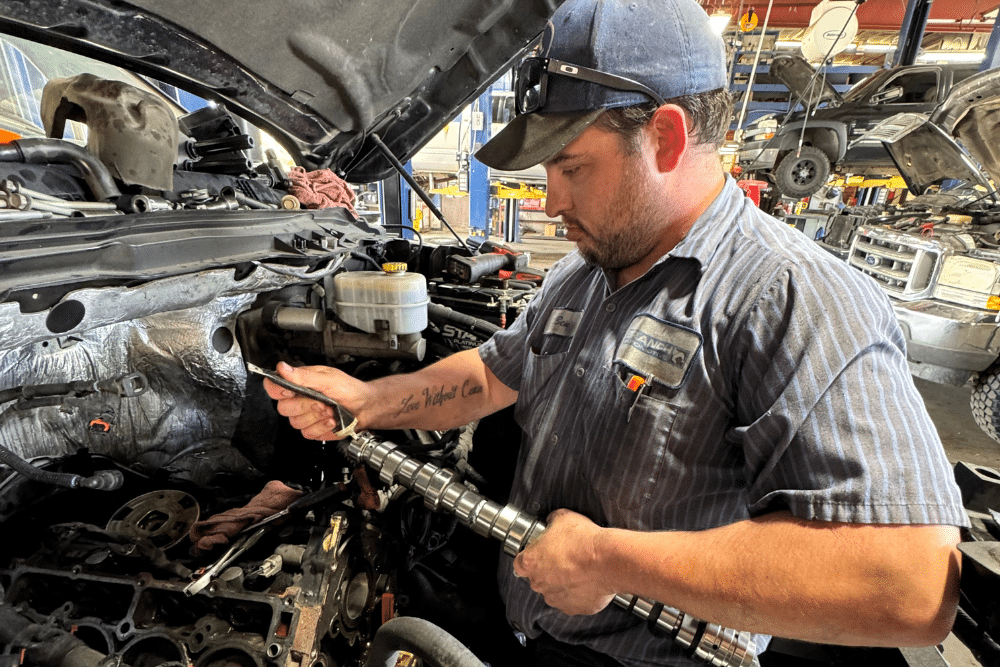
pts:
pixel 571 171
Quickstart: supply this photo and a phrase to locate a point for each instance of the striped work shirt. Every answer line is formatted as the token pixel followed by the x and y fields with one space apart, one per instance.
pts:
pixel 746 372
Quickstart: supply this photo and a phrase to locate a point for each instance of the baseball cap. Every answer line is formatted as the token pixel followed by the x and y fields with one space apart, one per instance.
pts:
pixel 666 46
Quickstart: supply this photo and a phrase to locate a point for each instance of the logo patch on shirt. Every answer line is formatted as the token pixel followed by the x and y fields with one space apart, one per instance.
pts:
pixel 659 350
pixel 563 322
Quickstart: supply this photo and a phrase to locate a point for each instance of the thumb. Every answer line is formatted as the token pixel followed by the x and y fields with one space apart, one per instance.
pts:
pixel 519 570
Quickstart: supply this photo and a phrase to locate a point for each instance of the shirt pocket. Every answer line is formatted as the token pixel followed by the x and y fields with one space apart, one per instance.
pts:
pixel 637 453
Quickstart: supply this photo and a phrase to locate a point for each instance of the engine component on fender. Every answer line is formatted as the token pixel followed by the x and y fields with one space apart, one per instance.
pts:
pixel 133 132
pixel 441 489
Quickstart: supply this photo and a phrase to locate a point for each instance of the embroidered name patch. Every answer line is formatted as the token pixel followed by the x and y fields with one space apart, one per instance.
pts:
pixel 659 350
pixel 563 322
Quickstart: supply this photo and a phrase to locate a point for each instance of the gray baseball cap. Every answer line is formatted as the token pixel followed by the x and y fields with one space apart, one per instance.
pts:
pixel 666 47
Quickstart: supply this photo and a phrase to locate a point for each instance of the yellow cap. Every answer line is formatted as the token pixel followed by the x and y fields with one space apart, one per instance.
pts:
pixel 394 267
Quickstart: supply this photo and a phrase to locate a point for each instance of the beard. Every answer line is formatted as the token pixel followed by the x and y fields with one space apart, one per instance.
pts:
pixel 635 227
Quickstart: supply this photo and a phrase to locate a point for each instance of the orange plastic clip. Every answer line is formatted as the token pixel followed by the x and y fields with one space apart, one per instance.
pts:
pixel 99 425
pixel 635 382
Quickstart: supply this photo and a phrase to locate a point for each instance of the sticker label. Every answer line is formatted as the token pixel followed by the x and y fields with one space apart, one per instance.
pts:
pixel 659 350
pixel 563 322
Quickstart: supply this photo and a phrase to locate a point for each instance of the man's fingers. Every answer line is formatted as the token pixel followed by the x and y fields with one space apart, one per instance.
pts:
pixel 276 392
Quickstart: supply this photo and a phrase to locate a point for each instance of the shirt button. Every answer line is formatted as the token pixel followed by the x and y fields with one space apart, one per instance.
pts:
pixel 555 439
pixel 579 371
pixel 535 506
pixel 611 307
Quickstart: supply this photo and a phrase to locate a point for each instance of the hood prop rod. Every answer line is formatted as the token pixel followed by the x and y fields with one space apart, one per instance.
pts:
pixel 413 184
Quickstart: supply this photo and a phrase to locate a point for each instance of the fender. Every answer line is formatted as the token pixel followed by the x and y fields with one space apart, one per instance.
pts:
pixel 788 138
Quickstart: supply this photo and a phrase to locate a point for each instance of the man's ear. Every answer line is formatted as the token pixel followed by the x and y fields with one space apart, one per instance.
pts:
pixel 669 125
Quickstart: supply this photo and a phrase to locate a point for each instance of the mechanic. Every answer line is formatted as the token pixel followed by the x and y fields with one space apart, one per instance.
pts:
pixel 716 414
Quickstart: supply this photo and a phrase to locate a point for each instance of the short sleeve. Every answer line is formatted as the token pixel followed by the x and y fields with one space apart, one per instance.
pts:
pixel 832 425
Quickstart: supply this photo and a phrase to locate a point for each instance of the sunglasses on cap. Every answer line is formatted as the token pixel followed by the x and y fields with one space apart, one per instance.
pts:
pixel 531 82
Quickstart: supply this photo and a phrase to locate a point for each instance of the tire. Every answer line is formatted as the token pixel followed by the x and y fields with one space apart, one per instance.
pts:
pixel 985 400
pixel 802 175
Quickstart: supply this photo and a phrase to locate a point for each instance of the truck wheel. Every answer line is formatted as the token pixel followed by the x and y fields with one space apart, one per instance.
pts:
pixel 985 400
pixel 801 175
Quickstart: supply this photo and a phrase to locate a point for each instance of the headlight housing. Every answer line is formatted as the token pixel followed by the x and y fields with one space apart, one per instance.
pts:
pixel 970 282
pixel 762 130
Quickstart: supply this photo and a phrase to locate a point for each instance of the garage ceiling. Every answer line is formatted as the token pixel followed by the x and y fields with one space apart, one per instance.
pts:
pixel 873 15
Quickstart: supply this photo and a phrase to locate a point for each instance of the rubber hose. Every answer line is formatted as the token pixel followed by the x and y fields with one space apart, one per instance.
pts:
pixel 440 313
pixel 55 648
pixel 7 395
pixel 37 474
pixel 365 258
pixel 427 641
pixel 57 151
pixel 975 638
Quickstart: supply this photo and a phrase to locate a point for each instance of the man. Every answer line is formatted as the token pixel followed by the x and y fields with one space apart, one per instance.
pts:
pixel 716 414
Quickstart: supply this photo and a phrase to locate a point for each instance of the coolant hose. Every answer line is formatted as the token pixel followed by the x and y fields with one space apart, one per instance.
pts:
pixel 422 638
pixel 57 151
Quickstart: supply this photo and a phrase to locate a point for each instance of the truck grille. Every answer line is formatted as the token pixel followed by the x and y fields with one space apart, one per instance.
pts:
pixel 904 264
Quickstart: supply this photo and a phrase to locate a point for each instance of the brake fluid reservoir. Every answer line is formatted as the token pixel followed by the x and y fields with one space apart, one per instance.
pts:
pixel 364 298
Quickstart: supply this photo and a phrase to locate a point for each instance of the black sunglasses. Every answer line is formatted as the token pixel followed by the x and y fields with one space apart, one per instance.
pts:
pixel 531 82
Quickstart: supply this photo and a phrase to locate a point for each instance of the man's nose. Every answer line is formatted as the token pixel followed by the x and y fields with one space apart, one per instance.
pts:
pixel 556 201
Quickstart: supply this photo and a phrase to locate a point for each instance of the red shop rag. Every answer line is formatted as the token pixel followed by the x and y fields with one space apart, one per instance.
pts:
pixel 320 189
pixel 223 527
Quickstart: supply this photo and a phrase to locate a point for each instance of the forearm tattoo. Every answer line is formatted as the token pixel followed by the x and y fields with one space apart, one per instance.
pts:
pixel 437 396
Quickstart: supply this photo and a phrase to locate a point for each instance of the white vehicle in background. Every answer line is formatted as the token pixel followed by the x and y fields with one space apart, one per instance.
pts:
pixel 938 255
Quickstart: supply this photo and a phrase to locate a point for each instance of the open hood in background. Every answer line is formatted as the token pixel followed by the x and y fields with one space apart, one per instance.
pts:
pixel 957 142
pixel 797 75
pixel 320 76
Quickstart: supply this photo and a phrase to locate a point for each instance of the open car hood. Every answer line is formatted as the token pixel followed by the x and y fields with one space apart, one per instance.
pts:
pixel 320 76
pixel 958 141
pixel 797 74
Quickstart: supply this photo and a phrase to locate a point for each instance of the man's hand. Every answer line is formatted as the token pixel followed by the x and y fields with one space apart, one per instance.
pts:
pixel 563 565
pixel 315 420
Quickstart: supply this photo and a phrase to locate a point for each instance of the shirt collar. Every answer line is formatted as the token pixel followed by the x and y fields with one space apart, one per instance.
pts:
pixel 712 226
pixel 702 240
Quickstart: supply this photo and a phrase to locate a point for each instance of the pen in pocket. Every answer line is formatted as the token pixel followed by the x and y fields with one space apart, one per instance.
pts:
pixel 636 384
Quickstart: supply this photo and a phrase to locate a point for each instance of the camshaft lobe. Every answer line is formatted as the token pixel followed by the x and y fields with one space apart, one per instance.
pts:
pixel 442 489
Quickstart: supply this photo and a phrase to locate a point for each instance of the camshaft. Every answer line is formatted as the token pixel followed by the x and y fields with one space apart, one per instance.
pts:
pixel 442 489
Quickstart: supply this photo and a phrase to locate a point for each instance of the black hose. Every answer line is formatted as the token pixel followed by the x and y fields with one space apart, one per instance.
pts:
pixel 365 258
pixel 57 151
pixel 46 646
pixel 427 641
pixel 972 634
pixel 444 314
pixel 420 238
pixel 103 480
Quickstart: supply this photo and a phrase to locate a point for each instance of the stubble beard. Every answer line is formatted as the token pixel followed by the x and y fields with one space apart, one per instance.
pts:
pixel 635 230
